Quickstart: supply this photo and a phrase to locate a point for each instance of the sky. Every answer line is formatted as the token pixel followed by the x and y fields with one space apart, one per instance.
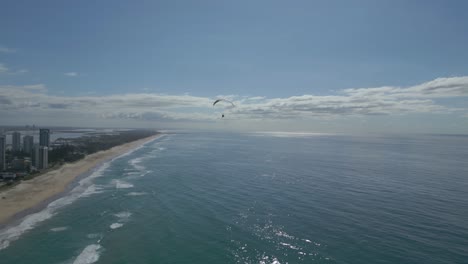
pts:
pixel 315 66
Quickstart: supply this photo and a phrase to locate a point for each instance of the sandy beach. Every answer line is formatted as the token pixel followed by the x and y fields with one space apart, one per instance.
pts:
pixel 30 193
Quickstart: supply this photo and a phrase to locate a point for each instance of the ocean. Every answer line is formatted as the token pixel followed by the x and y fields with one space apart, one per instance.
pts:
pixel 260 198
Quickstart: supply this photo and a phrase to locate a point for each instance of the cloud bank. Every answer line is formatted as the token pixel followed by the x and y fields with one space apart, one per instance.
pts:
pixel 423 98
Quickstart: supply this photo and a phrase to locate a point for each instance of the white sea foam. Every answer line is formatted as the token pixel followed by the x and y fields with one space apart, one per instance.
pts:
pixel 119 184
pixel 93 235
pixel 10 234
pixel 92 189
pixel 136 163
pixel 116 225
pixel 84 188
pixel 133 150
pixel 59 229
pixel 123 215
pixel 89 255
pixel 283 234
pixel 137 175
pixel 132 173
pixel 289 246
pixel 136 193
pixel 266 260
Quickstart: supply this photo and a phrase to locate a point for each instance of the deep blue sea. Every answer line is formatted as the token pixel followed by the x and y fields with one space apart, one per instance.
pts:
pixel 260 198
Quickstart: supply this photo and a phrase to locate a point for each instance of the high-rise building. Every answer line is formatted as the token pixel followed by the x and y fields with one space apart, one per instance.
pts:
pixel 44 137
pixel 35 156
pixel 28 143
pixel 16 142
pixel 2 152
pixel 41 157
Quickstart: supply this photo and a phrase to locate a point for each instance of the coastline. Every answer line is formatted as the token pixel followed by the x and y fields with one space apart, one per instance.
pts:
pixel 22 199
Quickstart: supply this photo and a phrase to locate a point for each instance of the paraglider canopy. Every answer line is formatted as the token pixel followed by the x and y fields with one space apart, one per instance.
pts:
pixel 222 100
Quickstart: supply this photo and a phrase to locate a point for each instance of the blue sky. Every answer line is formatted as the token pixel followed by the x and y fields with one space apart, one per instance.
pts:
pixel 118 51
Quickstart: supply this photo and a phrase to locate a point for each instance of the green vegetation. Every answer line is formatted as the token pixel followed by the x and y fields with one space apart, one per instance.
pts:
pixel 79 147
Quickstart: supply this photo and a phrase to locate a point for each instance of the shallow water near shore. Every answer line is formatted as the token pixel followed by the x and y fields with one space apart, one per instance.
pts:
pixel 263 198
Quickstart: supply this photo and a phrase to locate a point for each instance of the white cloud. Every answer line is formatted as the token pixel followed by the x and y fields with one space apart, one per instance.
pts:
pixel 362 102
pixel 5 70
pixel 22 71
pixel 4 49
pixel 71 74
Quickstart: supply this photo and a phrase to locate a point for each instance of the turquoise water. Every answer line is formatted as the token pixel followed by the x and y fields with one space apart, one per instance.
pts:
pixel 261 198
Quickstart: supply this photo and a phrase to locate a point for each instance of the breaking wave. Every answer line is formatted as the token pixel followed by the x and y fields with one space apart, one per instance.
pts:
pixel 116 225
pixel 84 188
pixel 119 184
pixel 89 255
pixel 59 229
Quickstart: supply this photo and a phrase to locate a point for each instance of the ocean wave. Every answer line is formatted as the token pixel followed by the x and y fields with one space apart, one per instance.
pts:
pixel 84 188
pixel 137 148
pixel 89 255
pixel 267 260
pixel 132 173
pixel 281 233
pixel 10 234
pixel 136 175
pixel 289 246
pixel 94 235
pixel 135 163
pixel 123 215
pixel 116 225
pixel 136 193
pixel 122 218
pixel 59 229
pixel 119 184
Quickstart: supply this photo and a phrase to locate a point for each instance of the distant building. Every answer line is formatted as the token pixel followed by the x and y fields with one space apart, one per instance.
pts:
pixel 7 176
pixel 2 152
pixel 18 164
pixel 35 156
pixel 28 143
pixel 43 157
pixel 16 142
pixel 44 137
pixel 27 164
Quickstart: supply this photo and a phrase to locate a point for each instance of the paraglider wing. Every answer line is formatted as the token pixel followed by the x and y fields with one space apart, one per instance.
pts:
pixel 219 100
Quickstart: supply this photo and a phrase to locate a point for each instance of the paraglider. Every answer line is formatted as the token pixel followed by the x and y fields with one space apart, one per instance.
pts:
pixel 224 100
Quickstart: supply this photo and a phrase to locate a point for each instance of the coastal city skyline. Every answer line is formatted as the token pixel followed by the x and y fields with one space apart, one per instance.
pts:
pixel 25 154
pixel 300 72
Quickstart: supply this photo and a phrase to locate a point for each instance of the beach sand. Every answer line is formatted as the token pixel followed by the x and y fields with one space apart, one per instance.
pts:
pixel 31 193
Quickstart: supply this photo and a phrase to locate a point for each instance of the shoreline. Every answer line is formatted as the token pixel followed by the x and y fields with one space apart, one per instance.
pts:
pixel 31 196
